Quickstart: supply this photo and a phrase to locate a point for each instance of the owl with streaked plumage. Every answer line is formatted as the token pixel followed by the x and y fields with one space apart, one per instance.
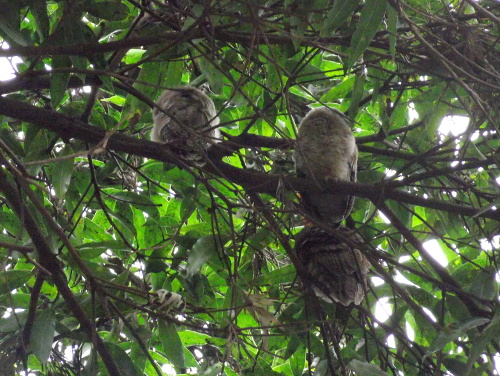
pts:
pixel 326 151
pixel 187 120
pixel 334 263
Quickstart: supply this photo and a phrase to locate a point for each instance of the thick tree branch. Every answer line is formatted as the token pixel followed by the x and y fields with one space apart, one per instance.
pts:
pixel 92 48
pixel 68 128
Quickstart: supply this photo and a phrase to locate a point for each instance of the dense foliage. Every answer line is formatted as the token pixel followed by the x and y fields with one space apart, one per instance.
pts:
pixel 118 257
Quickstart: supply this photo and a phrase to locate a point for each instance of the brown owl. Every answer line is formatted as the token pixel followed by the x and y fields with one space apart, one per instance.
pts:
pixel 186 118
pixel 334 264
pixel 325 151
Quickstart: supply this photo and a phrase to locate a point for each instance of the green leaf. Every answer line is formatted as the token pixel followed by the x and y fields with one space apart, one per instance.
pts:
pixel 39 10
pixel 356 95
pixel 11 141
pixel 479 344
pixel 203 250
pixel 340 90
pixel 122 360
pixel 62 172
pixel 285 273
pixel 13 323
pixel 452 333
pixel 171 343
pixel 365 369
pixel 392 23
pixel 212 74
pixel 369 22
pixel 91 250
pixel 152 73
pixel 59 81
pixel 10 23
pixel 108 10
pixel 174 74
pixel 484 284
pixel 298 360
pixel 339 12
pixel 13 279
pixel 141 202
pixel 94 232
pixel 10 222
pixel 42 334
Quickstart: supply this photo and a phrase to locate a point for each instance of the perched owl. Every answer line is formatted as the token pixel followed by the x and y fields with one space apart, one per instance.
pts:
pixel 325 151
pixel 187 121
pixel 334 264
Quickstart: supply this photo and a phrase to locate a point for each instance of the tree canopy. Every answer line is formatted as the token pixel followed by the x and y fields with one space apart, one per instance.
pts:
pixel 121 258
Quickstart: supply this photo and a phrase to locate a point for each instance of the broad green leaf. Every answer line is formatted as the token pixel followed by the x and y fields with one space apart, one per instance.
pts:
pixel 93 231
pixel 152 74
pixel 9 23
pixel 10 140
pixel 171 343
pixel 141 202
pixel 484 285
pixel 365 369
pixel 340 90
pixel 455 365
pixel 62 171
pixel 189 337
pixel 356 96
pixel 369 23
pixel 42 334
pixel 134 55
pixel 188 205
pixel 59 81
pixel 339 12
pixel 479 344
pixel 108 10
pixel 212 74
pixel 452 333
pixel 10 222
pixel 93 249
pixel 392 21
pixel 285 273
pixel 122 360
pixel 123 221
pixel 203 250
pixel 14 322
pixel 39 10
pixel 13 279
pixel 298 360
pixel 174 76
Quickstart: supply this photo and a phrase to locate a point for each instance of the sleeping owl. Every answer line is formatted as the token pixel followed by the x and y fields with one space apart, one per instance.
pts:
pixel 187 120
pixel 334 263
pixel 325 151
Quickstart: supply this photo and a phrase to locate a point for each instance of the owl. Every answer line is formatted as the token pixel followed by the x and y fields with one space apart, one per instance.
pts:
pixel 187 120
pixel 325 151
pixel 334 265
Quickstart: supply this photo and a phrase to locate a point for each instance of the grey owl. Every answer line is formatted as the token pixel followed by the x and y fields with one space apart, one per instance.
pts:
pixel 325 151
pixel 334 264
pixel 188 122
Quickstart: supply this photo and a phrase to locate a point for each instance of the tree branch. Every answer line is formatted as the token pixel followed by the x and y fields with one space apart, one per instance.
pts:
pixel 68 128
